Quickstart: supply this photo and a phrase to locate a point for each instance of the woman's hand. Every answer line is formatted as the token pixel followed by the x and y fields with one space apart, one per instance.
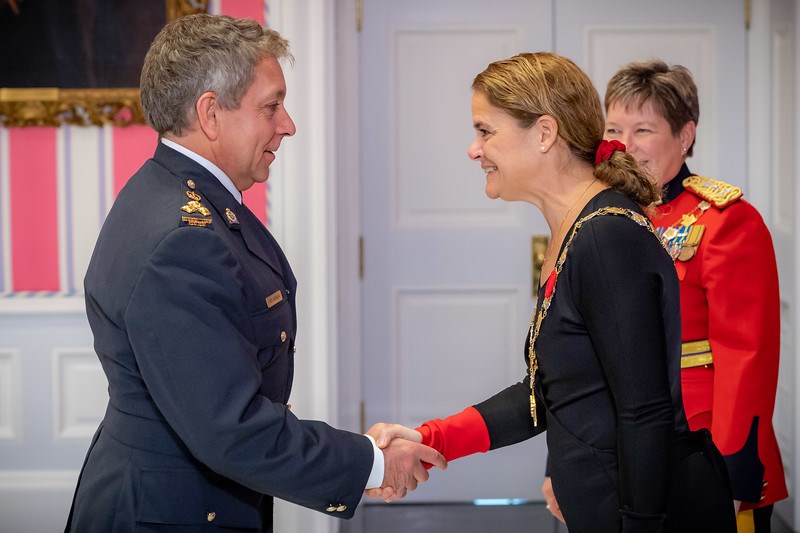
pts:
pixel 550 499
pixel 385 433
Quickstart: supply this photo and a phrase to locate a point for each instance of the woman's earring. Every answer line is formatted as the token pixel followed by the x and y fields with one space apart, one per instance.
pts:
pixel 684 149
pixel 541 148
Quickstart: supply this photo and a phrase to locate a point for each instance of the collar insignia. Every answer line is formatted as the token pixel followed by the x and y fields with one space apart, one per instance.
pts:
pixel 231 216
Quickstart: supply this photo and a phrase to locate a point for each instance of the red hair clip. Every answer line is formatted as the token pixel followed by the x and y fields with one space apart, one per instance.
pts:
pixel 605 150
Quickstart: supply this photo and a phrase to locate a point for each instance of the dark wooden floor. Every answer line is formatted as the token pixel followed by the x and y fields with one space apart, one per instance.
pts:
pixel 461 518
pixel 464 518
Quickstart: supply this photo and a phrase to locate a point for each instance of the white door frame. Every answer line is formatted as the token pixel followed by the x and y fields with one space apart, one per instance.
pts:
pixel 348 214
pixel 305 211
pixel 762 145
pixel 794 488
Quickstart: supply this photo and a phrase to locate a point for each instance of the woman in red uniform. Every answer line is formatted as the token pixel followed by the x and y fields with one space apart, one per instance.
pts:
pixel 729 284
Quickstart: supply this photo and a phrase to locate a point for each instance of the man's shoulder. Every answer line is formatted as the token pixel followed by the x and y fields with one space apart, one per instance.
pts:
pixel 152 195
pixel 152 204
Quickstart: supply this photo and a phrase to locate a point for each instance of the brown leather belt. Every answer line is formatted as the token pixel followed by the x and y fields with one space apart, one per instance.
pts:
pixel 696 353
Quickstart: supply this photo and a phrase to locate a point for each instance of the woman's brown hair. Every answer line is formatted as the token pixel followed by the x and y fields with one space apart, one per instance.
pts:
pixel 530 85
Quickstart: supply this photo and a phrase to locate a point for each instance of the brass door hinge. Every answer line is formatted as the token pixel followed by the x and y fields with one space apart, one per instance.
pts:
pixel 359 15
pixel 747 12
pixel 362 417
pixel 538 250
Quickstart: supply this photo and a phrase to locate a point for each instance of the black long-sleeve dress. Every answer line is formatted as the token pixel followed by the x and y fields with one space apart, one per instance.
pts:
pixel 608 387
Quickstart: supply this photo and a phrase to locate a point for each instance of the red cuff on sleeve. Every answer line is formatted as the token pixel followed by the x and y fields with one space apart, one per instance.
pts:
pixel 457 435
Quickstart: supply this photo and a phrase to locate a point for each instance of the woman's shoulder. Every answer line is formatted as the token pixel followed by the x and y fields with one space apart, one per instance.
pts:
pixel 612 207
pixel 617 245
pixel 615 224
pixel 611 198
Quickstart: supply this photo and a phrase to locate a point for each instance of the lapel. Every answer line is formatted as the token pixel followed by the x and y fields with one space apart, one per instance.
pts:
pixel 234 215
pixel 258 238
pixel 255 235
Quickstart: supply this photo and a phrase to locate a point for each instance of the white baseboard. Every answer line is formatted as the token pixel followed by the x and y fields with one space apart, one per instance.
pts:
pixel 33 501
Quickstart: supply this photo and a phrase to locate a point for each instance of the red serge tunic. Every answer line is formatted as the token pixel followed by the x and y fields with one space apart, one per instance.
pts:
pixel 729 297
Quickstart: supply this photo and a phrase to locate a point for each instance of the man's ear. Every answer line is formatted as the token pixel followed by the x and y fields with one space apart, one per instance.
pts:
pixel 207 109
pixel 546 132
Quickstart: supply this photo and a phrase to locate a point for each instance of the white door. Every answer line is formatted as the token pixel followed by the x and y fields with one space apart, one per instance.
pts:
pixel 446 296
pixel 447 290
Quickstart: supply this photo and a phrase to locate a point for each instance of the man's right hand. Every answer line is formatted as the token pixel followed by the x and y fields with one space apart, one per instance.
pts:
pixel 403 468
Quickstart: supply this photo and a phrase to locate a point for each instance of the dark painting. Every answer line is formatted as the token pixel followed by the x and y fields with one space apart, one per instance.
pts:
pixel 76 43
pixel 78 61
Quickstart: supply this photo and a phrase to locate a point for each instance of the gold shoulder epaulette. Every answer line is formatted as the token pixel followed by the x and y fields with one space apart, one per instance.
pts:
pixel 719 193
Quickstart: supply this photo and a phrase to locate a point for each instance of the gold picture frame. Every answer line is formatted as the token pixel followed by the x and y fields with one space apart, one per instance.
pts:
pixel 55 106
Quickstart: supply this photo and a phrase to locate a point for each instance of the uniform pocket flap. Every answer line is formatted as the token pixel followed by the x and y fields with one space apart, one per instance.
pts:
pixel 272 326
pixel 189 497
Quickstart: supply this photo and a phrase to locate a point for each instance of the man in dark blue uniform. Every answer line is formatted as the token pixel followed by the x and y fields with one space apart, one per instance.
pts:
pixel 192 306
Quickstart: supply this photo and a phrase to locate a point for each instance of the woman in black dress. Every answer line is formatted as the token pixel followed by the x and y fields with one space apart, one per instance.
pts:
pixel 603 351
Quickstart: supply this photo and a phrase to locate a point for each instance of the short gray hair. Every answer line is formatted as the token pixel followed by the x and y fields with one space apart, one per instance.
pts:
pixel 670 89
pixel 200 53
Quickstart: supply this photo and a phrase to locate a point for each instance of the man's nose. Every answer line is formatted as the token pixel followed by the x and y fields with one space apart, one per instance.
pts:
pixel 287 126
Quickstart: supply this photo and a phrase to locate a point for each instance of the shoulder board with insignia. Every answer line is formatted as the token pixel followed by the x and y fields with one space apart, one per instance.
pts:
pixel 197 222
pixel 719 193
pixel 194 205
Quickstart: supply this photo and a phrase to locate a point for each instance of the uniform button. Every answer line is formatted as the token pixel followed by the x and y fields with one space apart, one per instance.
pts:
pixel 341 508
pixel 283 336
pixel 294 349
pixel 211 516
pixel 762 498
pixel 331 508
pixel 764 484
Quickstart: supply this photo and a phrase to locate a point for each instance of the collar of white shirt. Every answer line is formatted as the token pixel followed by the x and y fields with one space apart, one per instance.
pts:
pixel 208 165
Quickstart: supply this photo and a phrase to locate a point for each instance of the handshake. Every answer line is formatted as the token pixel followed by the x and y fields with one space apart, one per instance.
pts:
pixel 404 460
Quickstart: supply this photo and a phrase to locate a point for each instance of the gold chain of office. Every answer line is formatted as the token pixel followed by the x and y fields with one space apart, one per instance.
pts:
pixel 536 319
